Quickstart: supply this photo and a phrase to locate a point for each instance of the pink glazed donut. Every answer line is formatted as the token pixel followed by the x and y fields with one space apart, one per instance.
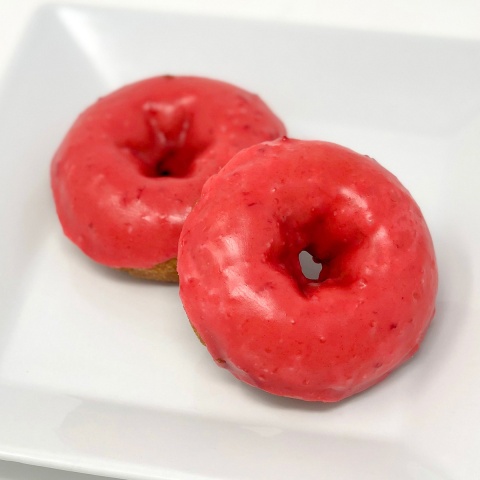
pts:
pixel 132 165
pixel 242 285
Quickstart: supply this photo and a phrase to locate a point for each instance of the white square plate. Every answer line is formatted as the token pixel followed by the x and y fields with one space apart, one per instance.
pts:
pixel 102 374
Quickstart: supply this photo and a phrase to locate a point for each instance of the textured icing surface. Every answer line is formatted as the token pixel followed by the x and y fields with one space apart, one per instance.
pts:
pixel 244 291
pixel 131 167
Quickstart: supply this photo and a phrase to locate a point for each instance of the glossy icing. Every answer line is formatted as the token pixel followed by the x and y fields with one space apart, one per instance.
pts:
pixel 129 170
pixel 244 291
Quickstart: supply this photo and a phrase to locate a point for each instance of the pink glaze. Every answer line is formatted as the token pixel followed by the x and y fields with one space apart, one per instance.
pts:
pixel 133 164
pixel 244 291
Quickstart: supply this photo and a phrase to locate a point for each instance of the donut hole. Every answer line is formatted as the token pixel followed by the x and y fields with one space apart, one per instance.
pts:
pixel 316 253
pixel 174 161
pixel 167 144
pixel 310 266
pixel 294 254
pixel 310 270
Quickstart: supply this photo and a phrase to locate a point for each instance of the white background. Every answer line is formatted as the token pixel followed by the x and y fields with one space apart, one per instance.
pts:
pixel 446 18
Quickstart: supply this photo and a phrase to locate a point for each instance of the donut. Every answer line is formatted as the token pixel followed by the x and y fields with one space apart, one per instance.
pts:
pixel 244 291
pixel 130 168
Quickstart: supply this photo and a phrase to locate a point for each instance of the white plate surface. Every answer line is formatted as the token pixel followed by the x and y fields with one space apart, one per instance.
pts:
pixel 102 374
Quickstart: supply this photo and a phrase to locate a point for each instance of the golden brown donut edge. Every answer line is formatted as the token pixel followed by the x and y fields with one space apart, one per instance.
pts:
pixel 163 272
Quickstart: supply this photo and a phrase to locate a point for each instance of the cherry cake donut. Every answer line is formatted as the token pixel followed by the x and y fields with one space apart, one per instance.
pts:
pixel 132 165
pixel 247 298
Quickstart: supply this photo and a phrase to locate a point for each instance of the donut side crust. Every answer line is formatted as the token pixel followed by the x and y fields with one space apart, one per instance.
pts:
pixel 163 272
